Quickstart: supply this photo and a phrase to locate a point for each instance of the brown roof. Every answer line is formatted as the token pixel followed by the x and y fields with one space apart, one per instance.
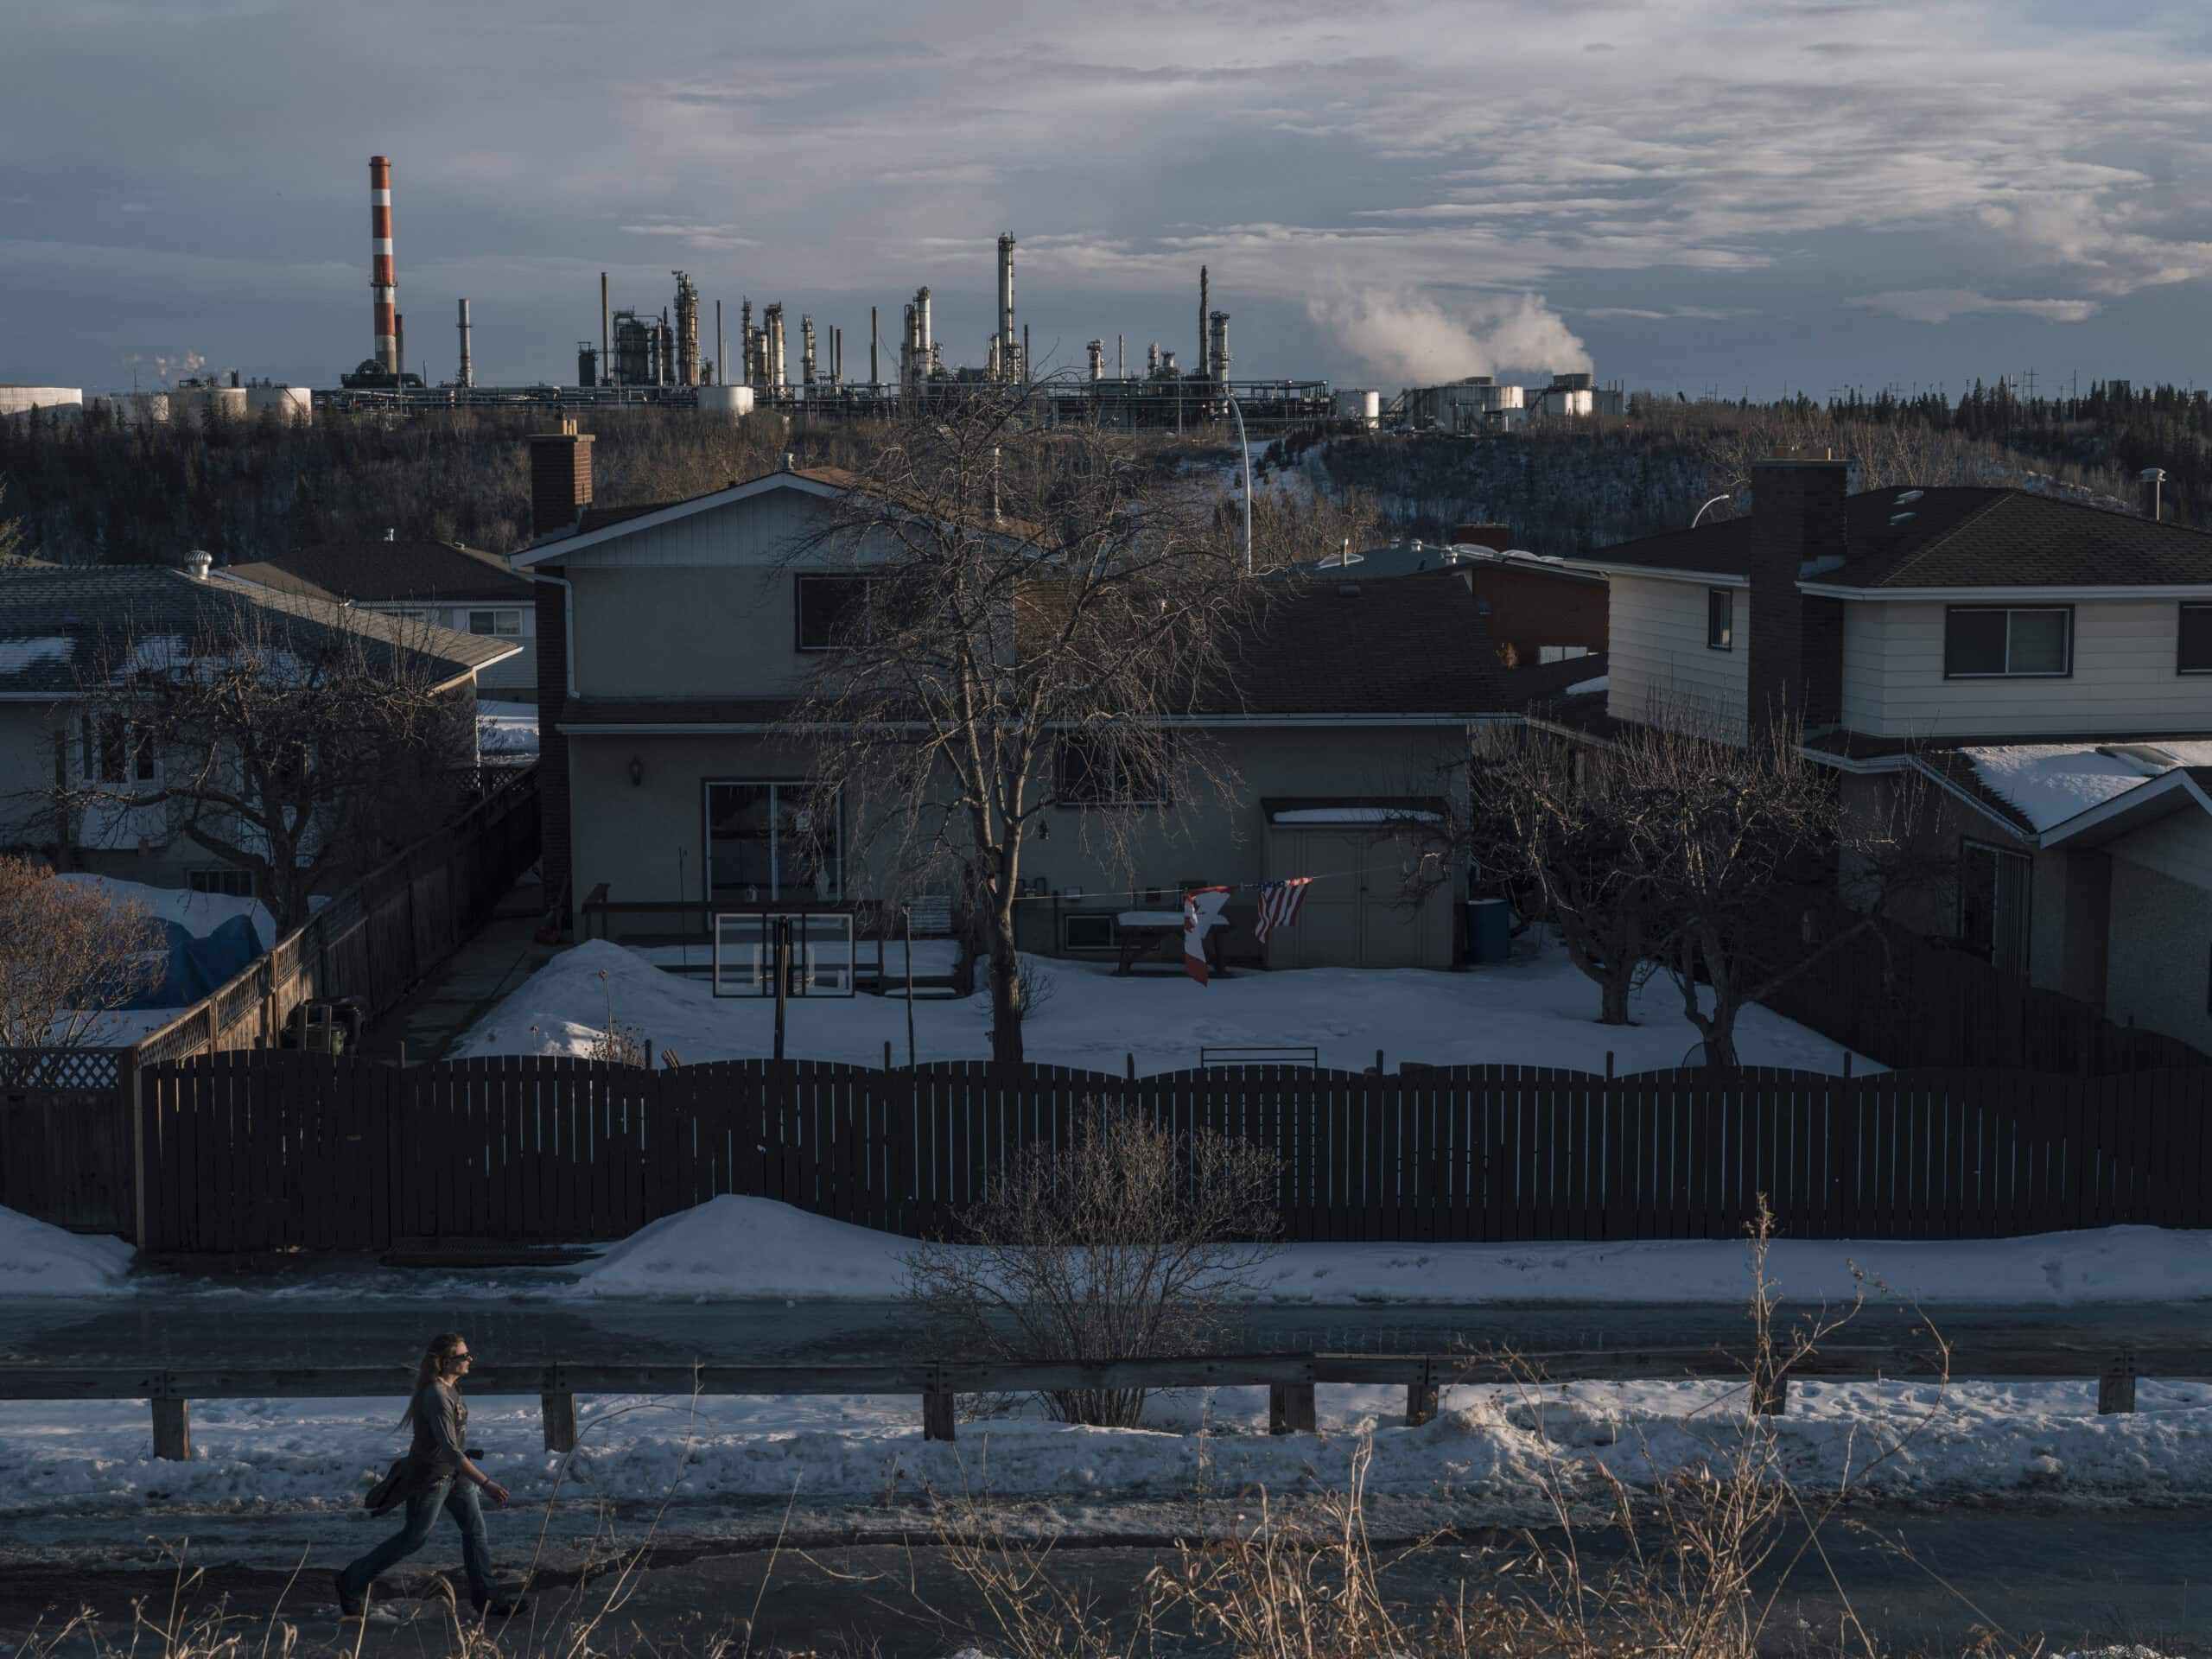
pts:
pixel 1956 537
pixel 836 478
pixel 388 571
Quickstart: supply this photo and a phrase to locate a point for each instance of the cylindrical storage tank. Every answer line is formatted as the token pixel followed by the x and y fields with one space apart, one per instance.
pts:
pixel 1366 407
pixel 21 400
pixel 729 403
pixel 294 405
pixel 137 408
pixel 200 403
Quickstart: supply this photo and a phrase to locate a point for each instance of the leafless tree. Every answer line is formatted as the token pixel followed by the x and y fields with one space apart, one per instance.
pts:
pixel 69 958
pixel 289 742
pixel 11 531
pixel 1127 1241
pixel 1542 820
pixel 1029 617
pixel 1755 872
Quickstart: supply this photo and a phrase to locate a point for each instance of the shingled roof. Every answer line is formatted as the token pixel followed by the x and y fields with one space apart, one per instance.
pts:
pixel 389 570
pixel 57 622
pixel 1954 537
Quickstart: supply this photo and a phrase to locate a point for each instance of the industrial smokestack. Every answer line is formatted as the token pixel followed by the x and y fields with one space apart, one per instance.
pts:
pixel 606 363
pixel 467 375
pixel 1097 350
pixel 806 350
pixel 1201 321
pixel 722 363
pixel 384 283
pixel 927 341
pixel 837 356
pixel 1217 348
pixel 1006 306
pixel 686 330
pixel 875 351
pixel 750 375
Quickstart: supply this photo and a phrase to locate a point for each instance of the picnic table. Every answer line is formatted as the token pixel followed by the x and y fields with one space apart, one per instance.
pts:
pixel 1141 930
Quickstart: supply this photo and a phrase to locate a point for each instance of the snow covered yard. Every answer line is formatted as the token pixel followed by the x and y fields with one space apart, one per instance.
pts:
pixel 1477 1460
pixel 1534 1010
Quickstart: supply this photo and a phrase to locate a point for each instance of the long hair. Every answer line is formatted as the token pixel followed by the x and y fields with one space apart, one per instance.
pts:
pixel 436 1360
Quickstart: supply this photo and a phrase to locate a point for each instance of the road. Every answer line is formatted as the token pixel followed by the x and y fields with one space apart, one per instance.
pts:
pixel 1924 1582
pixel 332 1329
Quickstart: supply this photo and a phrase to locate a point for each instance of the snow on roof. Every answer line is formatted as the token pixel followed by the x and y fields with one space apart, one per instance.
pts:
pixel 1582 686
pixel 16 655
pixel 2050 783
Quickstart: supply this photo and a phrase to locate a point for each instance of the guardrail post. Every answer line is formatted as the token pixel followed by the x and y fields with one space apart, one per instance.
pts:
pixel 172 1421
pixel 2116 1387
pixel 1421 1393
pixel 559 1409
pixel 937 1407
pixel 1290 1408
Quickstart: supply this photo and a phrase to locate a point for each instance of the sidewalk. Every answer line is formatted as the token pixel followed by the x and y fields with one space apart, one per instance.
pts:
pixel 432 1017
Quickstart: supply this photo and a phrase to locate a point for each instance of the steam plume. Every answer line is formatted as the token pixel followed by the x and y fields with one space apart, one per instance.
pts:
pixel 1413 340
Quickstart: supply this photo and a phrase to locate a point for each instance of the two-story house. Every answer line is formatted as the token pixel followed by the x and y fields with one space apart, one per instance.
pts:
pixel 674 636
pixel 441 584
pixel 62 626
pixel 2047 665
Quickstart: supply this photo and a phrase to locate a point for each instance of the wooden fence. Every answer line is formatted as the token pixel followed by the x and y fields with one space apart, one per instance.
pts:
pixel 1908 1002
pixel 282 1151
pixel 66 1143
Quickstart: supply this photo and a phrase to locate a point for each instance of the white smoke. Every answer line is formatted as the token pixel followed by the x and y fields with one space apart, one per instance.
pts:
pixel 1413 340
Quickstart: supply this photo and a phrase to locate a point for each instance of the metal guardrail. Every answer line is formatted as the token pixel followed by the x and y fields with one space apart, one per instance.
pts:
pixel 1290 1379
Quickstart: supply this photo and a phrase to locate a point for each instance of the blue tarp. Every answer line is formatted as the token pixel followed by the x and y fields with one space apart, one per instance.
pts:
pixel 198 967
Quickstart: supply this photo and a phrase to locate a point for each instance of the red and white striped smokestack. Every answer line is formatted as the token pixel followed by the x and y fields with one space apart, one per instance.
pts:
pixel 384 286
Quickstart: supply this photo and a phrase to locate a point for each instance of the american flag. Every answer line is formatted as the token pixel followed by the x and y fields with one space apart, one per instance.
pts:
pixel 1279 902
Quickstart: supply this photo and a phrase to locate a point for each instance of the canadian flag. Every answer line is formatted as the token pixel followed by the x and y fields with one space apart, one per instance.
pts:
pixel 1199 911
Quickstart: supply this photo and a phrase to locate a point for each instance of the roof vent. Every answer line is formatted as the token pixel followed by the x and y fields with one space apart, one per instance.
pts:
pixel 390 535
pixel 196 565
pixel 790 462
pixel 1899 518
pixel 1909 495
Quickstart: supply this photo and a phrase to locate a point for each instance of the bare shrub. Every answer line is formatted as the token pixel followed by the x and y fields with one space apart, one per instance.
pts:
pixel 68 956
pixel 1127 1241
pixel 1037 988
pixel 616 1043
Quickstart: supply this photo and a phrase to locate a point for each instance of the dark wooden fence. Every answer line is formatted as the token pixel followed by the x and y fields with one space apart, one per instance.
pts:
pixel 1908 1002
pixel 281 1150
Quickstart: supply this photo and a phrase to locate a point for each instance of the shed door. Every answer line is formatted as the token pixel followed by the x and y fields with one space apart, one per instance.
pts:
pixel 1352 916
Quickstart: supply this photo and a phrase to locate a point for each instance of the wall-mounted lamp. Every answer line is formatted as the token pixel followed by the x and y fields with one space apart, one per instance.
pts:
pixel 1044 828
pixel 636 772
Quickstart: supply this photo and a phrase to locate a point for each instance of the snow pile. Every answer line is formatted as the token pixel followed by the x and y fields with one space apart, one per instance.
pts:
pixel 1478 1461
pixel 1534 1010
pixel 39 1260
pixel 2050 783
pixel 735 1249
pixel 1583 688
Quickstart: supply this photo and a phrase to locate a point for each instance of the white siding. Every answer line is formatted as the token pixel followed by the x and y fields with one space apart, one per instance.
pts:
pixel 760 529
pixel 670 631
pixel 2179 846
pixel 1658 665
pixel 2160 953
pixel 2123 680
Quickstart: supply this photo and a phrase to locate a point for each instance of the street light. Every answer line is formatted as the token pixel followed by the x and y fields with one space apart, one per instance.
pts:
pixel 1709 505
pixel 1245 447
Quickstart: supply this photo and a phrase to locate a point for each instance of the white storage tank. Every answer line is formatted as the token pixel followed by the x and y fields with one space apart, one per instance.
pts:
pixel 21 400
pixel 197 404
pixel 1364 406
pixel 731 403
pixel 294 405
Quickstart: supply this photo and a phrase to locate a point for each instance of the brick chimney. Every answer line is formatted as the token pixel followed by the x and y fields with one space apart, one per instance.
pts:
pixel 1794 657
pixel 560 479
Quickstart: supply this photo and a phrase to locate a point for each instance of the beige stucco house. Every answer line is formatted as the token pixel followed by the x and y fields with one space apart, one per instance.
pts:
pixel 673 638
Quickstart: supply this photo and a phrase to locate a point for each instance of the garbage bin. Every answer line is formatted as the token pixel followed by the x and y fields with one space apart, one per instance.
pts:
pixel 1490 930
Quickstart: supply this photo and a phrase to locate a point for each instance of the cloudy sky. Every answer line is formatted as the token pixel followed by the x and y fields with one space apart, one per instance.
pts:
pixel 1686 193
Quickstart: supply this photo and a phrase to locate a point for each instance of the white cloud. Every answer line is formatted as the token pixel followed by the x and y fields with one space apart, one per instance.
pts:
pixel 1942 304
pixel 1412 339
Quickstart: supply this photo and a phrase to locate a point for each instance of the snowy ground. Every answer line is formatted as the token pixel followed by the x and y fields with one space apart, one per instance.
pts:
pixel 1534 1010
pixel 1477 1459
pixel 506 730
pixel 199 913
pixel 37 1259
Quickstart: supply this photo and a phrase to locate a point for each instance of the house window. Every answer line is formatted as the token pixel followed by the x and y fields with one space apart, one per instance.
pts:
pixel 507 624
pixel 110 753
pixel 1994 904
pixel 1995 641
pixel 770 840
pixel 1720 620
pixel 1099 774
pixel 830 610
pixel 2193 652
pixel 412 616
pixel 231 884
pixel 1092 931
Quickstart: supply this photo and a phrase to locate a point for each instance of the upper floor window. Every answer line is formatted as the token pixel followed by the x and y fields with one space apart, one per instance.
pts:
pixel 507 625
pixel 1102 774
pixel 829 608
pixel 1720 620
pixel 2193 654
pixel 1996 641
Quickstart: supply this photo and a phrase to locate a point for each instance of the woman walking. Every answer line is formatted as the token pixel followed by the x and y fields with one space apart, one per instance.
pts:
pixel 436 1474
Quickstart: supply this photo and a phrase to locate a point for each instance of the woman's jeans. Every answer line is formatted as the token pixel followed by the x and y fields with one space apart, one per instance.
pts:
pixel 459 1499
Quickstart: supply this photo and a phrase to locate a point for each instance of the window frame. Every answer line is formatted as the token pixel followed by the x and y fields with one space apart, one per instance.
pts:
pixel 1070 918
pixel 1968 846
pixel 773 892
pixel 2181 619
pixel 228 882
pixel 1727 596
pixel 495 632
pixel 2008 672
pixel 799 579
